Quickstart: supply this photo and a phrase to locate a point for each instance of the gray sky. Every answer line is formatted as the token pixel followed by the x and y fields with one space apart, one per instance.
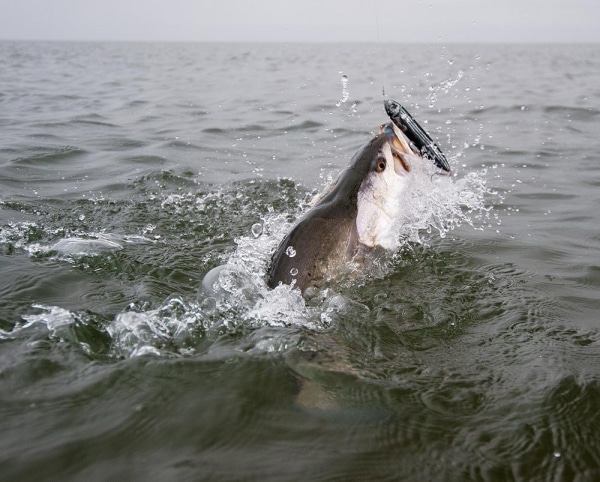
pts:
pixel 303 20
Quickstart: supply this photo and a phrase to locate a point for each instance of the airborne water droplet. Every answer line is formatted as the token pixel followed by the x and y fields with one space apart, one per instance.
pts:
pixel 290 251
pixel 257 230
pixel 294 271
pixel 345 93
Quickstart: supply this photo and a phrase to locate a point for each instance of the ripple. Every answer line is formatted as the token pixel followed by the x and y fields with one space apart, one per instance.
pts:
pixel 305 125
pixel 591 277
pixel 215 130
pixel 119 397
pixel 93 120
pixel 39 156
pixel 120 143
pixel 576 113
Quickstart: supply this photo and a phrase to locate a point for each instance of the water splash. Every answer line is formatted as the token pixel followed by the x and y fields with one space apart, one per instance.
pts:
pixel 444 86
pixel 257 230
pixel 172 329
pixel 235 299
pixel 345 92
pixel 68 245
pixel 441 204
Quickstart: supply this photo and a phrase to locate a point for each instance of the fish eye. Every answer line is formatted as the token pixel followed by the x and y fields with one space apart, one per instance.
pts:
pixel 380 165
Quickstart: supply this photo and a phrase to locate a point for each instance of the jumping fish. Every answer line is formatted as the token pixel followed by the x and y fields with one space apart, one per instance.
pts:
pixel 358 212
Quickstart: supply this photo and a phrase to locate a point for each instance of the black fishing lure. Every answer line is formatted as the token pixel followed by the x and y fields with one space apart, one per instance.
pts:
pixel 417 135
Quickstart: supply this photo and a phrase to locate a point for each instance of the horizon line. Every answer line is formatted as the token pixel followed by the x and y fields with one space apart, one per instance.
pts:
pixel 371 42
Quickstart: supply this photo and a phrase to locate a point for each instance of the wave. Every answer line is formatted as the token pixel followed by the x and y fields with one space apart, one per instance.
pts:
pixel 42 156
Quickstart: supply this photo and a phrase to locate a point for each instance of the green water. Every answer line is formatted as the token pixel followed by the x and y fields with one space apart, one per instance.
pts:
pixel 129 171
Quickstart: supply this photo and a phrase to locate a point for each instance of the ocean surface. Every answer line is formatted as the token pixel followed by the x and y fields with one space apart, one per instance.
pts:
pixel 128 171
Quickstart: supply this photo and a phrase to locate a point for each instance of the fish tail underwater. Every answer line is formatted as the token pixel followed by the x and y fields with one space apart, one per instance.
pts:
pixel 159 218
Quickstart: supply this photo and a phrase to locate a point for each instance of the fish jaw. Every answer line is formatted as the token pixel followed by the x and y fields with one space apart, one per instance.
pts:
pixel 380 197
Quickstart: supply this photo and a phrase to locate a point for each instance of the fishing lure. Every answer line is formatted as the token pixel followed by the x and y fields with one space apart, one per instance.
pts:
pixel 417 135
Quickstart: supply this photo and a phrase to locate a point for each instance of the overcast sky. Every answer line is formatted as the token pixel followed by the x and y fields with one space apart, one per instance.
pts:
pixel 303 20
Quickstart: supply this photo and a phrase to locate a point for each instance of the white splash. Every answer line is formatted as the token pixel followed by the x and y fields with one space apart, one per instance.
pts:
pixel 444 86
pixel 437 203
pixel 345 92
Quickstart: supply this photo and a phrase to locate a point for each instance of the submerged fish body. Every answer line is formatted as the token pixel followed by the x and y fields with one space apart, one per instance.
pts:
pixel 358 212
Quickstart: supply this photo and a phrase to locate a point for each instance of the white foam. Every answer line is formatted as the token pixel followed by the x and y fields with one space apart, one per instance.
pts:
pixel 54 319
pixel 85 246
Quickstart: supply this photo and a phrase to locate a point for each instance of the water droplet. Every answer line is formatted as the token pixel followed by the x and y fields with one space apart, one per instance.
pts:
pixel 257 230
pixel 81 217
pixel 294 271
pixel 345 93
pixel 290 251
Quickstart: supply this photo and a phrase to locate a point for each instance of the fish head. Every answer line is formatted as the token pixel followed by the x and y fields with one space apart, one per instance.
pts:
pixel 388 175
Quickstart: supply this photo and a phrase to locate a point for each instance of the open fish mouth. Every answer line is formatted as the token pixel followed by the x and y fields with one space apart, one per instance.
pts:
pixel 421 141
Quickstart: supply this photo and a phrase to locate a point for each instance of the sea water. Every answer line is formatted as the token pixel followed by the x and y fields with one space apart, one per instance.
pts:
pixel 129 171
